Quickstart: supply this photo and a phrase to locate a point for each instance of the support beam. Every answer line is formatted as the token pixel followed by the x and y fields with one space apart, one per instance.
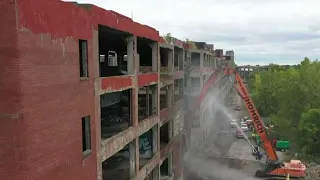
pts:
pixel 170 62
pixel 170 96
pixel 133 67
pixel 156 173
pixel 155 57
pixel 132 158
pixel 148 100
pixel 95 44
pixel 201 59
pixel 131 50
pixel 170 165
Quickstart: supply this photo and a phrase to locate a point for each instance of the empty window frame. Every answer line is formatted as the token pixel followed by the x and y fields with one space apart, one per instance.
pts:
pixel 86 135
pixel 83 58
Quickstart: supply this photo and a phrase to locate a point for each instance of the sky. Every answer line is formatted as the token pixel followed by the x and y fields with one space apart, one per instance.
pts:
pixel 259 31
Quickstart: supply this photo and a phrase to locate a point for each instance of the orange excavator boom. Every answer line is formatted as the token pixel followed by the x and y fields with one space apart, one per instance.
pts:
pixel 256 119
pixel 254 114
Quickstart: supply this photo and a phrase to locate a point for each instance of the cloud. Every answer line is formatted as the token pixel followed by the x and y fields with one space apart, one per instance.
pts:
pixel 264 31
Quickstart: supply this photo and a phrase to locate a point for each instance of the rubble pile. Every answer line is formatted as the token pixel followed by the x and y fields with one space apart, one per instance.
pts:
pixel 313 171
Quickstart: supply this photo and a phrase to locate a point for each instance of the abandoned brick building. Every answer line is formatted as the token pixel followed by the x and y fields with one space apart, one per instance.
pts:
pixel 87 93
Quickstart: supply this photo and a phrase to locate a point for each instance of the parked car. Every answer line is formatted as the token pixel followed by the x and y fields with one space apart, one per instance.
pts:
pixel 233 123
pixel 244 127
pixel 239 133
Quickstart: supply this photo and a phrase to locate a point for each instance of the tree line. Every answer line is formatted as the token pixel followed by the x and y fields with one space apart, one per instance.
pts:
pixel 290 97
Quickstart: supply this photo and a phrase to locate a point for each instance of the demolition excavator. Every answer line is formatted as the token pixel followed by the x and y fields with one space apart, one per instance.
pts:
pixel 273 167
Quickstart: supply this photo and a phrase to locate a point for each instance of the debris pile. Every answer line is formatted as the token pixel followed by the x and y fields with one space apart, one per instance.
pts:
pixel 313 171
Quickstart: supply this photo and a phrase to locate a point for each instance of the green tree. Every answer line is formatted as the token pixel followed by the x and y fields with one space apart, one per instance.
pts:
pixel 309 131
pixel 191 43
pixel 167 37
pixel 290 96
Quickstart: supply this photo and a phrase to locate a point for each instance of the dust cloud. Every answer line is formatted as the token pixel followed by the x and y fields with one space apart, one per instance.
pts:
pixel 213 169
pixel 195 160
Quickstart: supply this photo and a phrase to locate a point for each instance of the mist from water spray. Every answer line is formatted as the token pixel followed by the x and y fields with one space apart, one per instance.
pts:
pixel 211 101
pixel 212 168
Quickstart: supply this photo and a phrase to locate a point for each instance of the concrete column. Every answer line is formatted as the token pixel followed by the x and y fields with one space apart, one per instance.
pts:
pixel 132 156
pixel 170 164
pixel 155 98
pixel 133 63
pixel 131 42
pixel 155 149
pixel 155 139
pixel 170 95
pixel 158 86
pixel 133 68
pixel 156 173
pixel 201 59
pixel 155 56
pixel 170 61
pixel 171 129
pixel 158 101
pixel 147 101
pixel 97 117
pixel 182 59
pixel 182 88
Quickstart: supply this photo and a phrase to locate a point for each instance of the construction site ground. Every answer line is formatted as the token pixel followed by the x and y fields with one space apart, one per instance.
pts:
pixel 222 155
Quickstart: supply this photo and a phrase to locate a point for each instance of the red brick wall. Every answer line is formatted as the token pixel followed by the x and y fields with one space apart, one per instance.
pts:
pixel 43 87
pixel 53 100
pixel 42 98
pixel 9 93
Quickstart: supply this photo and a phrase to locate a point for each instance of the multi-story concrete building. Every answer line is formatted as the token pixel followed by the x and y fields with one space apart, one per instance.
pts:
pixel 246 71
pixel 230 55
pixel 201 63
pixel 87 93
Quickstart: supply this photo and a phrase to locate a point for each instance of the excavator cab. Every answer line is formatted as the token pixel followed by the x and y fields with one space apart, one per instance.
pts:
pixel 275 168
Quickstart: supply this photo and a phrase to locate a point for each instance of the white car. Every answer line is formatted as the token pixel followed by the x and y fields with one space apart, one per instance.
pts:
pixel 233 123
pixel 244 127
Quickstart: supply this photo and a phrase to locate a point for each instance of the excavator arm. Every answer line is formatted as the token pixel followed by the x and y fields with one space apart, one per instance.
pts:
pixel 206 87
pixel 254 114
pixel 270 170
pixel 242 90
